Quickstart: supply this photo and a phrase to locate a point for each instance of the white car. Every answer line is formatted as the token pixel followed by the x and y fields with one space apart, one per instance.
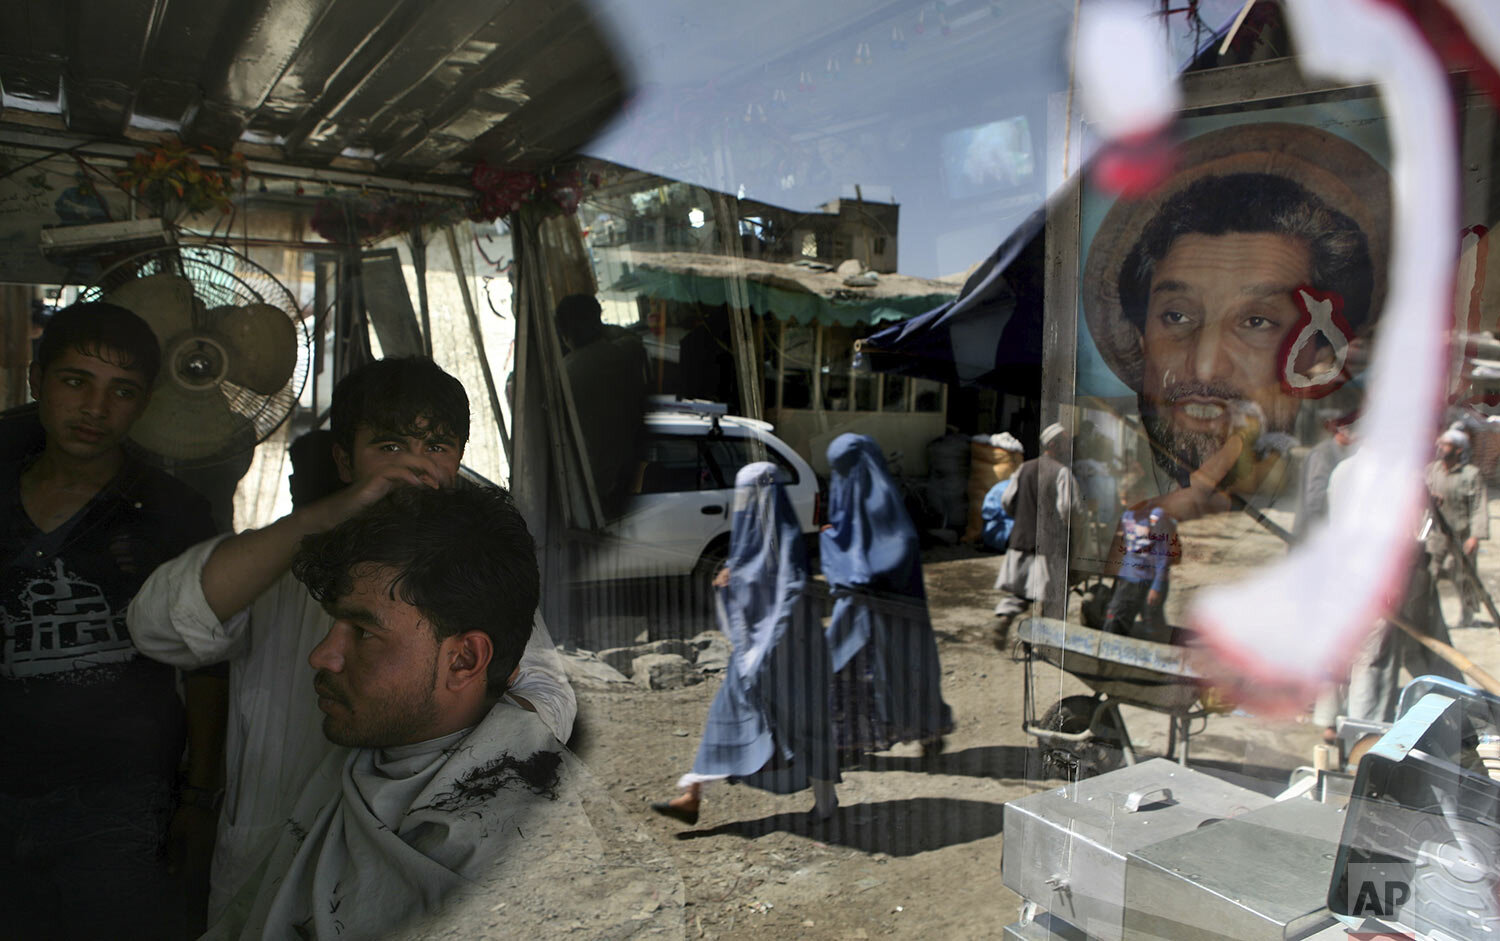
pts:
pixel 678 522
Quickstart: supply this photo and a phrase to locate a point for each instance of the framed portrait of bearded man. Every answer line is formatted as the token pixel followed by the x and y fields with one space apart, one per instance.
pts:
pixel 1223 326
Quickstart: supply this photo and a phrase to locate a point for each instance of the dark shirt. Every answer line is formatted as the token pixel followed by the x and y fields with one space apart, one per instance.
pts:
pixel 609 392
pixel 1037 526
pixel 81 705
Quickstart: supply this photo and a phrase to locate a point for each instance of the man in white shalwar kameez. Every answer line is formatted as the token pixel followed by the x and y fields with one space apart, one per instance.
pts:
pixel 395 422
pixel 1042 500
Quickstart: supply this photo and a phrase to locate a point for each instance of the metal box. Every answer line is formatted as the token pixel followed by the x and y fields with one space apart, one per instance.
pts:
pixel 1065 848
pixel 1043 928
pixel 1259 877
pixel 1420 851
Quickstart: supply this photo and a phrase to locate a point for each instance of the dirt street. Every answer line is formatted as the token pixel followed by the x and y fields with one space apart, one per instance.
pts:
pixel 914 850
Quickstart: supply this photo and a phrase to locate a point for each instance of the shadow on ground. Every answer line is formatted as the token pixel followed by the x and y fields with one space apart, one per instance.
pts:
pixel 1005 762
pixel 896 828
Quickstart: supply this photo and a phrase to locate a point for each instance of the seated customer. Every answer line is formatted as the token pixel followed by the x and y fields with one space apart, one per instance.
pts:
pixel 395 422
pixel 432 594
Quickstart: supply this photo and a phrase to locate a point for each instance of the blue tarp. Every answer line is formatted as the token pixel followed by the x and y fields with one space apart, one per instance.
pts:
pixel 990 335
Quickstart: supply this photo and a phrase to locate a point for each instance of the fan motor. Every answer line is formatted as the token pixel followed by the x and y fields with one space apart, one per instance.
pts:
pixel 198 362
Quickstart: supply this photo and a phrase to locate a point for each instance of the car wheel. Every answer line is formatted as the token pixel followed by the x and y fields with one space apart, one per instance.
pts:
pixel 1074 761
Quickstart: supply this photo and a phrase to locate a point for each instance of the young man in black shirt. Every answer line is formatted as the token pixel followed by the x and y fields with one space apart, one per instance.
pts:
pixel 93 731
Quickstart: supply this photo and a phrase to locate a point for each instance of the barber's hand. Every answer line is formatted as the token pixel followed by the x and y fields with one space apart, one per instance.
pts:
pixel 190 842
pixel 362 493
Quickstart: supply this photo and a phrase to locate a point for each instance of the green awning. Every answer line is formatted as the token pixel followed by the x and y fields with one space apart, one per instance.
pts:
pixel 787 292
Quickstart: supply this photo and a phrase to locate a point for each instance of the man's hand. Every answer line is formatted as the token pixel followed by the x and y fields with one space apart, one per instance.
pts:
pixel 1153 597
pixel 333 510
pixel 721 578
pixel 1471 545
pixel 246 564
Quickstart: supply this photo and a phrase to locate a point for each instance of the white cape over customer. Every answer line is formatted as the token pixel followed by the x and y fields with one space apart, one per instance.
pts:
pixel 274 739
pixel 382 836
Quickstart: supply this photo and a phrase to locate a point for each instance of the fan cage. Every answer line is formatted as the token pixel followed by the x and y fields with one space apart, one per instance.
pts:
pixel 221 276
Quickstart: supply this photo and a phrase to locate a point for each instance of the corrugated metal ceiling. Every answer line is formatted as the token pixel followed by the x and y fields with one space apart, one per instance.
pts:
pixel 409 87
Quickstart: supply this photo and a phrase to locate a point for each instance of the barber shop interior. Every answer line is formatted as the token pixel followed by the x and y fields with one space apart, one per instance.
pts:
pixel 650 469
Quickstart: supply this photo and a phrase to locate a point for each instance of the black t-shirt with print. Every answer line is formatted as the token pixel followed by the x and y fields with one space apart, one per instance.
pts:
pixel 81 706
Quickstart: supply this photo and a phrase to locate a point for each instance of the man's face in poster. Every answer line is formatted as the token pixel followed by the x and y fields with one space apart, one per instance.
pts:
pixel 1220 288
pixel 1218 311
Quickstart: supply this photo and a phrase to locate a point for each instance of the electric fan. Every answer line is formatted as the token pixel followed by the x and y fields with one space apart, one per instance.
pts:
pixel 234 351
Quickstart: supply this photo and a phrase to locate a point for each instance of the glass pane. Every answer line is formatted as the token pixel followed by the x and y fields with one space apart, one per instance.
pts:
pixel 894 399
pixel 675 465
pixel 864 391
pixel 731 454
pixel 796 390
pixel 929 397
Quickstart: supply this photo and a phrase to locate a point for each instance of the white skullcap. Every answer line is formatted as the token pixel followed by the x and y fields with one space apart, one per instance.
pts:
pixel 1052 432
pixel 1455 437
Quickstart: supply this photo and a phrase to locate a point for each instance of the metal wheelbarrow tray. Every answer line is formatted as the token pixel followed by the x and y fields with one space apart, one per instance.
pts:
pixel 1083 732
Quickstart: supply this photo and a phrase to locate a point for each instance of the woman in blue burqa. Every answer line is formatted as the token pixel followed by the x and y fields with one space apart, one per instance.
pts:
pixel 768 725
pixel 886 683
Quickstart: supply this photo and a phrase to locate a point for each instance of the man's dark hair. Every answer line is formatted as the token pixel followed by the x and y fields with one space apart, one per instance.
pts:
pixel 579 320
pixel 105 331
pixel 464 558
pixel 408 395
pixel 1252 203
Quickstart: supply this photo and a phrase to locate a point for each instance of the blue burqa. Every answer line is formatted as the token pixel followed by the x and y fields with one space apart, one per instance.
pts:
pixel 887 681
pixel 768 725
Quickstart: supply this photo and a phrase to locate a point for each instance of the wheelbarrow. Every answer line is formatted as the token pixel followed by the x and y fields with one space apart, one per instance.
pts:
pixel 1084 735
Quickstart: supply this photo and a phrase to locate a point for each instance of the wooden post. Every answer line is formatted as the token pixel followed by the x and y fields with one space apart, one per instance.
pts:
pixel 817 372
pixel 747 371
pixel 475 330
pixel 546 277
pixel 852 395
pixel 15 343
pixel 419 265
pixel 781 366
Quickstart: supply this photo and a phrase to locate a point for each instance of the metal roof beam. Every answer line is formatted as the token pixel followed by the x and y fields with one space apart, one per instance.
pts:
pixel 250 53
pixel 444 27
pixel 335 56
pixel 477 92
pixel 268 168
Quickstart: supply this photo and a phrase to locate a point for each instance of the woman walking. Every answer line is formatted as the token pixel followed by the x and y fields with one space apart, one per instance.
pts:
pixel 768 725
pixel 887 684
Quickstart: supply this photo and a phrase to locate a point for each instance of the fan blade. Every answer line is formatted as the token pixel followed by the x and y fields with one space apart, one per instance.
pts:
pixel 186 425
pixel 262 345
pixel 164 301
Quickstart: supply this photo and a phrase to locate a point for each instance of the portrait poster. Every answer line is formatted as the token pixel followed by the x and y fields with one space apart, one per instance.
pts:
pixel 1240 297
